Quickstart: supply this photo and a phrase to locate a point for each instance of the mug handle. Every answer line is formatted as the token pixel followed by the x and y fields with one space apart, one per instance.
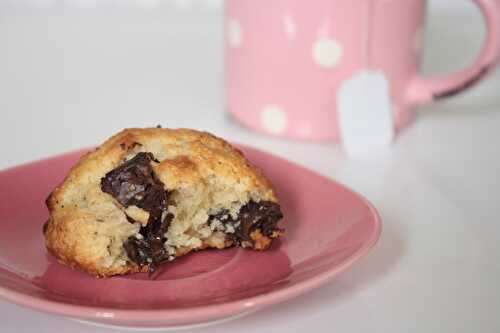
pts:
pixel 424 89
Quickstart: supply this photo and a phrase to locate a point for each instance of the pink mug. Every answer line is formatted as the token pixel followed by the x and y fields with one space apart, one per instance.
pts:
pixel 304 69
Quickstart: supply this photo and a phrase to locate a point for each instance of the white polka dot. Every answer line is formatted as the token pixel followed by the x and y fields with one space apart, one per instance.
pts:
pixel 274 119
pixel 327 52
pixel 234 33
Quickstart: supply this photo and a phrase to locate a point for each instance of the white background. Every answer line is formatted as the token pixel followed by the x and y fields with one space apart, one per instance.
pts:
pixel 71 77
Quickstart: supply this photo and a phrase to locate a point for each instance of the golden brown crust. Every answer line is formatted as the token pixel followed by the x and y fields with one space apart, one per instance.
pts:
pixel 209 152
pixel 75 233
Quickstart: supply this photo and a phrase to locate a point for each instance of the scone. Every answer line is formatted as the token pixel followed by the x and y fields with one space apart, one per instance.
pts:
pixel 147 196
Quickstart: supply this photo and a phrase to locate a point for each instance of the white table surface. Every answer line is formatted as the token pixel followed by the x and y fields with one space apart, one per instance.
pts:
pixel 69 78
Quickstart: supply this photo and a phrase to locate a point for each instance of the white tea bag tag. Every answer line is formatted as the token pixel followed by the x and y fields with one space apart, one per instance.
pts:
pixel 365 112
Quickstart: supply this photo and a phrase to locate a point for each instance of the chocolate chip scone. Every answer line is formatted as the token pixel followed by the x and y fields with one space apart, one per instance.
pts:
pixel 147 196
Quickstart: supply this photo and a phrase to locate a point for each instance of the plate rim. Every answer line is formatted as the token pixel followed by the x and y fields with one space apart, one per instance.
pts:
pixel 201 313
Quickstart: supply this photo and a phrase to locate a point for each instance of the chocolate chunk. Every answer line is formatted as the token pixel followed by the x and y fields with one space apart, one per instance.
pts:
pixel 263 215
pixel 155 236
pixel 138 250
pixel 135 183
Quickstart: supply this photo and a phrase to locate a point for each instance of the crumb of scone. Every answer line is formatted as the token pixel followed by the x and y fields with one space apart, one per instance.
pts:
pixel 148 196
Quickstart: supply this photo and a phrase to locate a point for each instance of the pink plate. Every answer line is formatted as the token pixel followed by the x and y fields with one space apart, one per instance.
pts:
pixel 328 229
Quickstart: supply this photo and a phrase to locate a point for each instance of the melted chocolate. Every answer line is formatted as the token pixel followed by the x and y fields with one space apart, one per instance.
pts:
pixel 135 183
pixel 263 215
pixel 149 250
pixel 138 250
